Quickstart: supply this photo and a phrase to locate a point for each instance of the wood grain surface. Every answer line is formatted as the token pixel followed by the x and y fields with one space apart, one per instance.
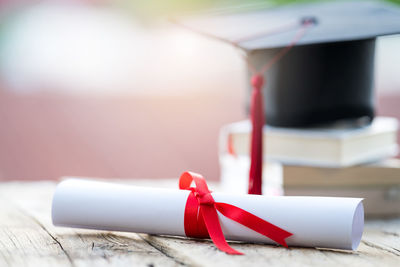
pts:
pixel 28 238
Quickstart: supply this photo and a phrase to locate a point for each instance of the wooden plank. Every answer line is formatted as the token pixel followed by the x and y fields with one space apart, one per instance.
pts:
pixel 31 205
pixel 385 235
pixel 370 254
pixel 75 247
pixel 24 242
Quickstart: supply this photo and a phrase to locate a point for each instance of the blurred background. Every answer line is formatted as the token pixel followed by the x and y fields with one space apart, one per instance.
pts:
pixel 112 89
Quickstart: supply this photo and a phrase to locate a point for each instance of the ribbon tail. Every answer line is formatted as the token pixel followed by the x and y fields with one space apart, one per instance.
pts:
pixel 211 220
pixel 282 242
pixel 253 222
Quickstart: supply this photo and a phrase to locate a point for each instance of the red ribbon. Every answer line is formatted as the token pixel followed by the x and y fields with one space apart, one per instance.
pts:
pixel 201 217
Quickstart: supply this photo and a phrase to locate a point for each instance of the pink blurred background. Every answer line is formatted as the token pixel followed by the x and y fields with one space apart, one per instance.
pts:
pixel 110 97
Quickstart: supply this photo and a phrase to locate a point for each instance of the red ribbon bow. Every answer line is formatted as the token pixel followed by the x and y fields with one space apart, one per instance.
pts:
pixel 201 217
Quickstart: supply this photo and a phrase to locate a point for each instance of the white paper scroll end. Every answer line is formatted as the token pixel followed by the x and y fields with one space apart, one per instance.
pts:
pixel 358 226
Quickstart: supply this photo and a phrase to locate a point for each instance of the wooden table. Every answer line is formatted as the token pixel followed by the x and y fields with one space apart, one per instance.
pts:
pixel 28 238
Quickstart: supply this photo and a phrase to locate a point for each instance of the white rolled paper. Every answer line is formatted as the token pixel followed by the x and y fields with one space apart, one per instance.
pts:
pixel 326 222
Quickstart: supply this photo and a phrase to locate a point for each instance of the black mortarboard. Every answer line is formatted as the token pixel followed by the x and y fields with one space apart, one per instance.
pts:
pixel 328 75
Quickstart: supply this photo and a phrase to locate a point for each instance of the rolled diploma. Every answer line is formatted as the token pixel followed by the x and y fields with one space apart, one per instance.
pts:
pixel 326 222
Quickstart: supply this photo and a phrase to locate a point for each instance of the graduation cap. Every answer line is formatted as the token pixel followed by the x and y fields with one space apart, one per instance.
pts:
pixel 328 75
pixel 317 61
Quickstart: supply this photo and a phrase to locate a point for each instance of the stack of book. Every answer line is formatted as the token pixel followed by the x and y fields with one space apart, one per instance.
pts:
pixel 340 160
